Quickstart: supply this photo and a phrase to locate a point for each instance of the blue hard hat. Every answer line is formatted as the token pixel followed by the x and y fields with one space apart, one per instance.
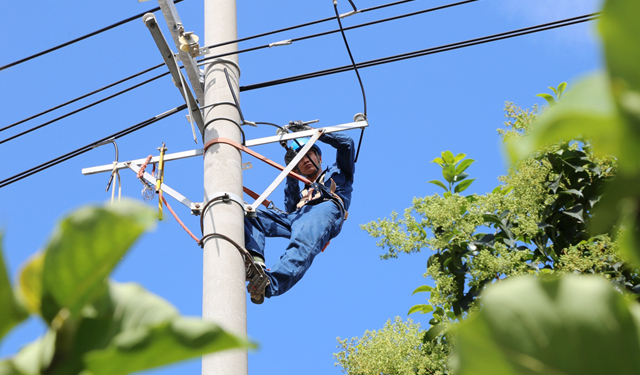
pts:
pixel 298 143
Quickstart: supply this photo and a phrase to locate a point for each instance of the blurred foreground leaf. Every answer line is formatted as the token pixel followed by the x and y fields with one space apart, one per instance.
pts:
pixel 572 325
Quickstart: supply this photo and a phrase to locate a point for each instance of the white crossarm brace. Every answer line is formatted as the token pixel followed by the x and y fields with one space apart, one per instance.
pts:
pixel 285 172
pixel 195 209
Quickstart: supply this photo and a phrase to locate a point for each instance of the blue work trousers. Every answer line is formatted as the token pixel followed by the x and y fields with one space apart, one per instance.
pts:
pixel 309 229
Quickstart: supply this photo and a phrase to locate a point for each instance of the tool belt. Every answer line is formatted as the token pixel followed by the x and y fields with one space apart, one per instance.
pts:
pixel 318 193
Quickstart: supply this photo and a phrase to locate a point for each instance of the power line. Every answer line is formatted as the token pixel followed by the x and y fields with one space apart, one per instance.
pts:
pixel 305 24
pixel 339 30
pixel 428 51
pixel 89 147
pixel 217 56
pixel 80 97
pixel 137 16
pixel 82 108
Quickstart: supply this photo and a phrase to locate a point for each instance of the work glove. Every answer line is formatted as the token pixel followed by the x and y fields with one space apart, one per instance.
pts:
pixel 289 155
pixel 298 126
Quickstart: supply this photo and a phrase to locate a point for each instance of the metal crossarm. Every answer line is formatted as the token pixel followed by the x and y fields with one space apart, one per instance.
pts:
pixel 249 143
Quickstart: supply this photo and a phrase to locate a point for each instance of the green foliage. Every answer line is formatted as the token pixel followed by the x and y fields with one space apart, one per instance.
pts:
pixel 606 110
pixel 98 327
pixel 395 349
pixel 11 311
pixel 573 326
pixel 453 168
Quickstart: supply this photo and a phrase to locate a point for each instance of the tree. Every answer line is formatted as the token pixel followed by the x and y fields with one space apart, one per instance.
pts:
pixel 535 222
pixel 97 326
pixel 568 324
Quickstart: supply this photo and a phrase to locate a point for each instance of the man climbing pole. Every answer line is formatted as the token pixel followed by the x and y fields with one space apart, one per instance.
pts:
pixel 314 216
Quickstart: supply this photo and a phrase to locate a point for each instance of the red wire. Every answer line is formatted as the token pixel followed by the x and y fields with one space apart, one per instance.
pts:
pixel 179 221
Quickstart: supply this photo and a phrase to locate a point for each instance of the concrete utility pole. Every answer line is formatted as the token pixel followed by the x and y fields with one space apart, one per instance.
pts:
pixel 223 292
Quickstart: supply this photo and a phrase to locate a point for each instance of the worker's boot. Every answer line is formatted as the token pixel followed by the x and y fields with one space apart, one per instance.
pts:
pixel 257 278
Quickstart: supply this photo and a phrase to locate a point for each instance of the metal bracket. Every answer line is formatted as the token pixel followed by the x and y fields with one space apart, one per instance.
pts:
pixel 172 18
pixel 150 21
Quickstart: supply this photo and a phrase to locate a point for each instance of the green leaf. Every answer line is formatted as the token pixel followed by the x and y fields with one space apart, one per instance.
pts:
pixel 438 161
pixel 549 98
pixel 434 332
pixel 573 325
pixel 423 288
pixel 439 183
pixel 30 283
pixel 462 186
pixel 464 165
pixel 460 177
pixel 86 248
pixel 458 158
pixel 423 309
pixel 448 157
pixel 129 329
pixel 575 212
pixel 561 88
pixel 11 312
pixel 169 342
pixel 553 89
pixel 448 172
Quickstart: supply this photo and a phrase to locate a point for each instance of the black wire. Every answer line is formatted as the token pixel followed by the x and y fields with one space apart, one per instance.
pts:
pixel 82 37
pixel 89 147
pixel 80 97
pixel 428 51
pixel 355 68
pixel 82 108
pixel 352 5
pixel 339 30
pixel 304 25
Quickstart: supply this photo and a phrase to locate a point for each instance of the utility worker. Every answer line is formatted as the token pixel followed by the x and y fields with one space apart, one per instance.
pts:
pixel 314 216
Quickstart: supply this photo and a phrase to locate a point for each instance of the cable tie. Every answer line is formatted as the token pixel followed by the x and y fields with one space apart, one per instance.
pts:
pixel 280 43
pixel 250 123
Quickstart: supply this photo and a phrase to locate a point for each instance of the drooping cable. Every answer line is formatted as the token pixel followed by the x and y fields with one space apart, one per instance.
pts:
pixel 428 51
pixel 82 108
pixel 137 16
pixel 80 97
pixel 311 36
pixel 89 147
pixel 355 68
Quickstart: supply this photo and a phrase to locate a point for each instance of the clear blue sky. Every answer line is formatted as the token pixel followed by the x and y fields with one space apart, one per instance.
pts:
pixel 417 108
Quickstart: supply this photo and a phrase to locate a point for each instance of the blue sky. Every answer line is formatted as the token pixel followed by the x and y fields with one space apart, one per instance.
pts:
pixel 417 108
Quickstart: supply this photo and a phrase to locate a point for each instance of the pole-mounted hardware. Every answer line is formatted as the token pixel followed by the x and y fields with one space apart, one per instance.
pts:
pixel 168 56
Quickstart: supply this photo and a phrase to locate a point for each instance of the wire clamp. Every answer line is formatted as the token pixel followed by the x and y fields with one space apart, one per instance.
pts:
pixel 345 15
pixel 280 43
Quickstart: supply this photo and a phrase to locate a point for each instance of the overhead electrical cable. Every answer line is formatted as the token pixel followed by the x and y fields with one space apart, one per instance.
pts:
pixel 305 24
pixel 428 51
pixel 249 49
pixel 89 147
pixel 80 98
pixel 293 40
pixel 137 16
pixel 83 108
